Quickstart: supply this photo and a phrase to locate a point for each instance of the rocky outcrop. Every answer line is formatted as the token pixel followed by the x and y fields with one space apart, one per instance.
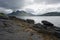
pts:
pixel 47 23
pixel 12 17
pixel 12 30
pixel 57 32
pixel 47 28
pixel 3 17
pixel 9 30
pixel 38 25
pixel 30 21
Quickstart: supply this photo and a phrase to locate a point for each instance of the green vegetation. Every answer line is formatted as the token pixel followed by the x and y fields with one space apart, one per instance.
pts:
pixel 2 14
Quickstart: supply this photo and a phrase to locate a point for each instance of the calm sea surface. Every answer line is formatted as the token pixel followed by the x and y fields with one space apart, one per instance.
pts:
pixel 53 19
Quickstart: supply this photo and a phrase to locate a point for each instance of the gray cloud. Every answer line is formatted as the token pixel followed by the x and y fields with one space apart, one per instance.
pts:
pixel 21 4
pixel 6 11
pixel 48 1
pixel 12 4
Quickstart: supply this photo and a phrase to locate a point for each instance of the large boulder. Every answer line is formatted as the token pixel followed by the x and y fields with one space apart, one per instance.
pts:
pixel 46 23
pixel 30 21
pixel 38 25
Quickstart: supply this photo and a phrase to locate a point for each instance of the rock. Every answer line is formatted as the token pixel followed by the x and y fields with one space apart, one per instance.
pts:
pixel 7 25
pixel 57 32
pixel 44 29
pixel 9 30
pixel 47 23
pixel 15 18
pixel 3 17
pixel 38 25
pixel 12 17
pixel 39 28
pixel 21 19
pixel 1 24
pixel 30 21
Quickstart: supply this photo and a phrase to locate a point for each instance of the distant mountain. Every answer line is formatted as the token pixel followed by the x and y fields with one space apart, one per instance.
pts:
pixel 20 13
pixel 51 14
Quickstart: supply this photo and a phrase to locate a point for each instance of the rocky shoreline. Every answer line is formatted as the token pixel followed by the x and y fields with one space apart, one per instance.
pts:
pixel 12 28
pixel 46 27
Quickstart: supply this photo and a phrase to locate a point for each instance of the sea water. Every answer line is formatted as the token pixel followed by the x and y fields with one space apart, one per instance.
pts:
pixel 53 19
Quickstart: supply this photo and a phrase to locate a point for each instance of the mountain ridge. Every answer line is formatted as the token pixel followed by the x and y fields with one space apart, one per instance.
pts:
pixel 20 13
pixel 51 14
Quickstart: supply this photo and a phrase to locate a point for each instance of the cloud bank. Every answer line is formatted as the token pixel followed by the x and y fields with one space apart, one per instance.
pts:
pixel 48 1
pixel 37 5
pixel 12 4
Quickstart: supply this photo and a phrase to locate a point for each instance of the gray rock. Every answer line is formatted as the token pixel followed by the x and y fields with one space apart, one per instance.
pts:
pixel 38 25
pixel 12 17
pixel 30 21
pixel 57 32
pixel 37 37
pixel 4 17
pixel 47 23
pixel 11 31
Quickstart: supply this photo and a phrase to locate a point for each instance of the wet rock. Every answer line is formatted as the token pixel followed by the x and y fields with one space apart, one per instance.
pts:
pixel 30 21
pixel 47 23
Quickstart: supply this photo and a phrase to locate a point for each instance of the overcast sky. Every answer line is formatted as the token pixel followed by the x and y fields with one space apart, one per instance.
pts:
pixel 36 6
